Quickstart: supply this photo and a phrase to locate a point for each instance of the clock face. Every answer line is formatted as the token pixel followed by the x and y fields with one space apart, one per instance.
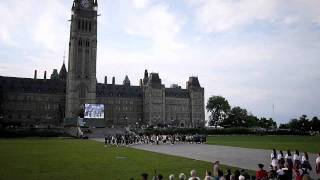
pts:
pixel 85 3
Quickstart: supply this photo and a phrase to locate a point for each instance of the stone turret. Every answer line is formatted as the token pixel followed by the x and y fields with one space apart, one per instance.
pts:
pixel 105 80
pixel 35 74
pixel 126 81
pixel 196 93
pixel 63 72
pixel 145 78
pixel 54 74
pixel 154 100
pixel 45 75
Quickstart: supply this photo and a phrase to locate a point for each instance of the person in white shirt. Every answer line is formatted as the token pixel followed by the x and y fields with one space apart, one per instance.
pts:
pixel 274 162
pixel 296 160
pixel 280 158
pixel 288 155
pixel 194 176
pixel 318 164
pixel 171 177
pixel 288 159
pixel 305 162
pixel 182 176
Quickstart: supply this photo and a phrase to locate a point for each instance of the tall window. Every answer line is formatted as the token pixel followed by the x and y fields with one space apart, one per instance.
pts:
pixel 82 91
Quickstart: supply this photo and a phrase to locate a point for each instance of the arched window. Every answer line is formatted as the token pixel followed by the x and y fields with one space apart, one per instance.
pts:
pixel 79 24
pixel 86 26
pixel 90 24
pixel 82 24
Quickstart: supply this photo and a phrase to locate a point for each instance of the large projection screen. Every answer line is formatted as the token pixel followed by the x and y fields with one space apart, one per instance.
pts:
pixel 94 111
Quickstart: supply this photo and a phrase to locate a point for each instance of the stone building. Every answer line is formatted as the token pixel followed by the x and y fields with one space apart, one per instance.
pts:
pixel 33 101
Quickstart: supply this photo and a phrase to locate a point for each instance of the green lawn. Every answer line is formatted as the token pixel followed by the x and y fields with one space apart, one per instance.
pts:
pixel 83 159
pixel 302 143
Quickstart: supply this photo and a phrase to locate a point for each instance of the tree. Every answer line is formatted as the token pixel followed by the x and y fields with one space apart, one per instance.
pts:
pixel 252 120
pixel 315 124
pixel 267 123
pixel 218 107
pixel 284 126
pixel 304 123
pixel 237 117
pixel 294 124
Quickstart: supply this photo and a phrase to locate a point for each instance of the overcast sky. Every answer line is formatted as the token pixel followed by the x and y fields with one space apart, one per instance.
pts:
pixel 254 53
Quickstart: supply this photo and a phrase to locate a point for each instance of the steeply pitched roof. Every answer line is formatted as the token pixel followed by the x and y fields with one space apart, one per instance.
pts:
pixel 194 82
pixel 63 72
pixel 28 85
pixel 176 92
pixel 126 81
pixel 109 90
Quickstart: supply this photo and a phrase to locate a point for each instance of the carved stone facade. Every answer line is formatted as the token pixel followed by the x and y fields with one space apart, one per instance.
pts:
pixel 36 102
pixel 81 81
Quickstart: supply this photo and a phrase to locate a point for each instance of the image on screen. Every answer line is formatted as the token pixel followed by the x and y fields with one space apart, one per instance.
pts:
pixel 94 111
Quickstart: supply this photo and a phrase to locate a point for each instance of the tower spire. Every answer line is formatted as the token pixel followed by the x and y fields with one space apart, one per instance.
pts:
pixel 64 57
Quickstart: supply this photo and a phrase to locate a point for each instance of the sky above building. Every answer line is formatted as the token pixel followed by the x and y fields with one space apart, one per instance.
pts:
pixel 257 54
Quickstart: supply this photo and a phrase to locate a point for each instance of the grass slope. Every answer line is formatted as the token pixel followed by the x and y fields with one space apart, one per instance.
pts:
pixel 302 143
pixel 80 159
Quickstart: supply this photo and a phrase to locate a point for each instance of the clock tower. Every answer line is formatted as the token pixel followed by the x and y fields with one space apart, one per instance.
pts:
pixel 81 81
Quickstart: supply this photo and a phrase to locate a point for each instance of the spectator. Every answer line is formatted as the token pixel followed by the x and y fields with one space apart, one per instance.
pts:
pixel 236 174
pixel 284 173
pixel 241 177
pixel 261 173
pixel 171 177
pixel 318 164
pixel 144 176
pixel 245 174
pixel 193 174
pixel 306 177
pixel 298 172
pixel 232 177
pixel 228 174
pixel 217 173
pixel 182 176
pixel 272 173
pixel 208 176
pixel 160 177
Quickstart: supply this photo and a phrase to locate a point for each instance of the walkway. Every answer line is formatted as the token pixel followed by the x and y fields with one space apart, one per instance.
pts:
pixel 232 156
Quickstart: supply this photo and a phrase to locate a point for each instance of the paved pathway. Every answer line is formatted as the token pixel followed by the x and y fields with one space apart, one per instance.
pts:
pixel 231 156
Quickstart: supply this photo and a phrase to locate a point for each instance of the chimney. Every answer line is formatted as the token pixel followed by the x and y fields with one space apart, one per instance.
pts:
pixel 45 75
pixel 105 80
pixel 113 80
pixel 35 74
pixel 140 83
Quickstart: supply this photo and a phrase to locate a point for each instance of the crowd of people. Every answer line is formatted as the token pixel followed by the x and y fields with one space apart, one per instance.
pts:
pixel 283 167
pixel 289 165
pixel 129 139
pixel 215 174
